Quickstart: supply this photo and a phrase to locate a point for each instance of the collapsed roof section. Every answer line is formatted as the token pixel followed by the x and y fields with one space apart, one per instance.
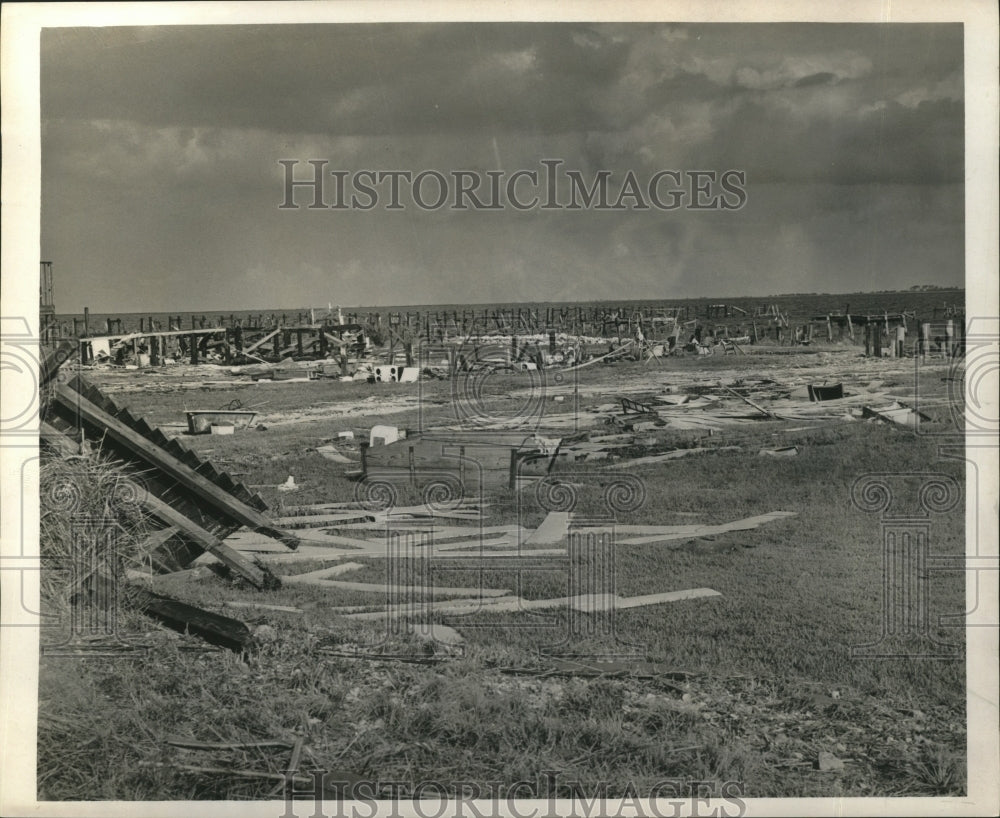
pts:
pixel 195 505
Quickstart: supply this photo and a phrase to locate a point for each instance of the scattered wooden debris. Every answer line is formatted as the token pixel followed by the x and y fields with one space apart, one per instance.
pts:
pixel 823 392
pixel 781 451
pixel 200 421
pixel 262 605
pixel 585 603
pixel 554 528
pixel 898 414
pixel 750 402
pixel 672 455
pixel 324 573
pixel 213 628
pixel 199 505
pixel 668 533
pixel 386 588
pixel 636 407
pixel 435 632
pixel 330 453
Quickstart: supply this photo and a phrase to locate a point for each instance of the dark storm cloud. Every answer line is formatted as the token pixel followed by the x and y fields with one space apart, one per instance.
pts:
pixel 150 134
pixel 336 79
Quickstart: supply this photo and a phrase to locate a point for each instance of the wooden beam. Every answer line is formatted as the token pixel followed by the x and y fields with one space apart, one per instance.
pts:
pixel 131 336
pixel 180 524
pixel 55 359
pixel 212 627
pixel 145 449
pixel 747 400
pixel 260 341
pixel 230 557
pixel 339 342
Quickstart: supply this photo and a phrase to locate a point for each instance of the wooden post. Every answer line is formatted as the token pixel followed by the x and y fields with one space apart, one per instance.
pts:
pixel 154 350
pixel 298 342
pixel 829 329
pixel 949 339
pixel 193 342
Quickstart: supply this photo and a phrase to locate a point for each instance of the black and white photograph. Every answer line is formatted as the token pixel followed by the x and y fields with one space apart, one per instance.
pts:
pixel 437 409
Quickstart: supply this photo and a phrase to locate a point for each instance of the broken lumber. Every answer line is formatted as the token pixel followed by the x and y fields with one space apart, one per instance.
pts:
pixel 585 603
pixel 260 341
pixel 384 588
pixel 159 458
pixel 750 402
pixel 212 627
pixel 672 455
pixel 618 351
pixel 262 605
pixel 686 532
pixel 260 577
pixel 554 528
pixel 325 573
pixel 178 523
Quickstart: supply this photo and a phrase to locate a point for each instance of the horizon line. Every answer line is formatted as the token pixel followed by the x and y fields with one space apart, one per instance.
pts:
pixel 472 304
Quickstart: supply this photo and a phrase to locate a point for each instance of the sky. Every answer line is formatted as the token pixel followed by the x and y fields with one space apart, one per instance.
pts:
pixel 161 182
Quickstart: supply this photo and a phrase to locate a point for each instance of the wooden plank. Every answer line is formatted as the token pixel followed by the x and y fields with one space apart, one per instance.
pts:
pixel 621 603
pixel 382 588
pixel 178 523
pixel 307 554
pixel 671 455
pixel 158 538
pixel 230 557
pixel 319 535
pixel 750 402
pixel 554 528
pixel 60 442
pixel 325 573
pixel 160 333
pixel 262 605
pixel 159 458
pixel 54 359
pixel 260 341
pixel 586 603
pixel 212 627
pixel 707 530
pixel 310 520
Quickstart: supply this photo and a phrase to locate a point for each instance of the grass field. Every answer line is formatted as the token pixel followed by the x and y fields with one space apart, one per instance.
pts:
pixel 769 681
